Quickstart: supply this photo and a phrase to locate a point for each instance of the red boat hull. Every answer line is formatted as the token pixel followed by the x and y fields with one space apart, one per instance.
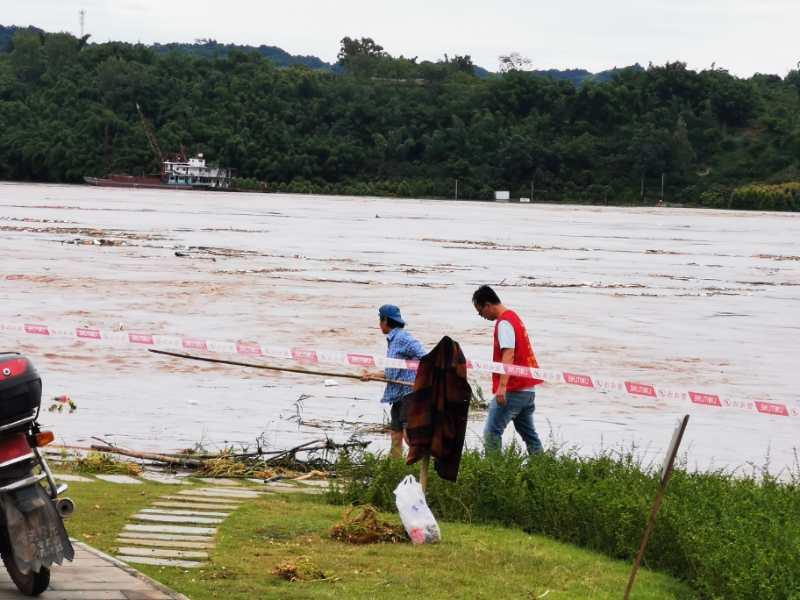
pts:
pixel 131 181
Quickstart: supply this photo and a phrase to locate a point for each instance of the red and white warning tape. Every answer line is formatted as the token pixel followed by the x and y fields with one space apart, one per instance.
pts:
pixel 308 356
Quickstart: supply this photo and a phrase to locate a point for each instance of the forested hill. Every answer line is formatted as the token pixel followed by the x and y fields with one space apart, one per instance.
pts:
pixel 213 49
pixel 209 48
pixel 394 126
pixel 7 34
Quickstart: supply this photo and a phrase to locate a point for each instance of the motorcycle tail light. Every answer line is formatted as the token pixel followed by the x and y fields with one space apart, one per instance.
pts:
pixel 13 449
pixel 12 368
pixel 44 437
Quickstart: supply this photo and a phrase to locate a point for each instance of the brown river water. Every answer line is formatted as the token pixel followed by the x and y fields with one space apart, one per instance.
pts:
pixel 692 299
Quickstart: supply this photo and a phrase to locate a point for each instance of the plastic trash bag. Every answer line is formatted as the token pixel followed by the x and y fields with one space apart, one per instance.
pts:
pixel 417 518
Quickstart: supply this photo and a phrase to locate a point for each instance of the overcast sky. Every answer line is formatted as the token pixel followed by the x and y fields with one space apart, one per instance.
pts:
pixel 739 35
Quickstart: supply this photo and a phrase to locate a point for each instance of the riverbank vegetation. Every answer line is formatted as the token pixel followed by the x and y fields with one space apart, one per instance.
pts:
pixel 393 126
pixel 728 535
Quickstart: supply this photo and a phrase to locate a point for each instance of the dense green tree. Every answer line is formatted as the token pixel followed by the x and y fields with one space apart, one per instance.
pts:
pixel 27 57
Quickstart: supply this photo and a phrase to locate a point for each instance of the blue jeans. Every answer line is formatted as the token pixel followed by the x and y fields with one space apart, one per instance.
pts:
pixel 519 408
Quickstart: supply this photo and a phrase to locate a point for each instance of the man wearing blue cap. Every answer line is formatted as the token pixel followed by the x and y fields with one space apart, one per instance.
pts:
pixel 402 345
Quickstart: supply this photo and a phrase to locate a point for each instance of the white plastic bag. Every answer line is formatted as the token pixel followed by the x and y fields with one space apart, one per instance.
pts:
pixel 417 518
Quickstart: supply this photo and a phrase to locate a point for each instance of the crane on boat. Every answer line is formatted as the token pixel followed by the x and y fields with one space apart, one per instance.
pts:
pixel 151 136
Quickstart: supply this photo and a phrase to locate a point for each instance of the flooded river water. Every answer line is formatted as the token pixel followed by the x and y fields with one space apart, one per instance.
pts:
pixel 699 299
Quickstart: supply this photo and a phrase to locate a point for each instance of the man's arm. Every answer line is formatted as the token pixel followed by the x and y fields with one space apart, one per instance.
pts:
pixel 507 358
pixel 416 350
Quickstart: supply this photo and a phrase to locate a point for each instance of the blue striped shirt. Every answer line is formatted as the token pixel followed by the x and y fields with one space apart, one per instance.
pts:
pixel 401 345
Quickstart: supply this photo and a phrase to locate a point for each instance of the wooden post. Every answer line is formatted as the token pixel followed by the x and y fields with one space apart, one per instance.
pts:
pixel 642 190
pixel 423 473
pixel 666 473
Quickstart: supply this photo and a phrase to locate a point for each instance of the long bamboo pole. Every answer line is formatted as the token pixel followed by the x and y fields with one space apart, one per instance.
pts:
pixel 272 368
pixel 184 462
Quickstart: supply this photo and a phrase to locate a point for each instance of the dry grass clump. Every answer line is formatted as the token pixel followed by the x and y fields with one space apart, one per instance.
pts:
pixel 98 462
pixel 224 466
pixel 362 525
pixel 300 569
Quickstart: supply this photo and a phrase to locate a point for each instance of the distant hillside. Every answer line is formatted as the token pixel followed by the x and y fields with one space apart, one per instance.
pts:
pixel 6 33
pixel 580 76
pixel 387 125
pixel 210 48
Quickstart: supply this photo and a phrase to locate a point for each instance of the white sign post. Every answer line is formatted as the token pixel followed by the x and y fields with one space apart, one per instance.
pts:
pixel 666 473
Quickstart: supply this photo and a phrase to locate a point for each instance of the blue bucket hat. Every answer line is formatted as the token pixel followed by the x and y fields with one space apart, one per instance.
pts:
pixel 390 311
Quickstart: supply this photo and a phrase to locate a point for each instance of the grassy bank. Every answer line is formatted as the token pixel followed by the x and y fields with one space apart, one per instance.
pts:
pixel 474 561
pixel 727 537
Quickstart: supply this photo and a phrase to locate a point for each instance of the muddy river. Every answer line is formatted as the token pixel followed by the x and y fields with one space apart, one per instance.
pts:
pixel 697 299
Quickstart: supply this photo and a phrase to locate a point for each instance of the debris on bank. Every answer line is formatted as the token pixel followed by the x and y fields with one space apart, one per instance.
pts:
pixel 301 569
pixel 314 459
pixel 362 525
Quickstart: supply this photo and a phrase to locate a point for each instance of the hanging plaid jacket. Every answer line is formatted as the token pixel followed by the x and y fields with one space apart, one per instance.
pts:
pixel 438 408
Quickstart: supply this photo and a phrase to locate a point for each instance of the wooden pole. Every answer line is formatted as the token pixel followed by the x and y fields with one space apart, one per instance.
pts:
pixel 183 462
pixel 271 368
pixel 651 521
pixel 423 472
pixel 642 190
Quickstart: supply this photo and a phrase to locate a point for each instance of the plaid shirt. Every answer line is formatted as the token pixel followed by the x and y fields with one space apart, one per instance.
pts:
pixel 401 345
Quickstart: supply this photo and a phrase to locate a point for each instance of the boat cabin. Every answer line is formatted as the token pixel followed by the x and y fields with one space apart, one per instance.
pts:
pixel 196 173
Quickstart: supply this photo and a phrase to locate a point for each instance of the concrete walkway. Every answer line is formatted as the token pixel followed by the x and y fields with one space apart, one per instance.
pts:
pixel 94 576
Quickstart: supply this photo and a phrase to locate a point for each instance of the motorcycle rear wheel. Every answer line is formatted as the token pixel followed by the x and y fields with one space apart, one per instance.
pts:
pixel 30 584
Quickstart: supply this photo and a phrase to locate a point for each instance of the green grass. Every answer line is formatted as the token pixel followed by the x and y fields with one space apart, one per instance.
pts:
pixel 473 561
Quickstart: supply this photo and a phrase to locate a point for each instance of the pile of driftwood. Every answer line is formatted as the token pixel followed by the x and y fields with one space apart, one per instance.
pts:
pixel 317 455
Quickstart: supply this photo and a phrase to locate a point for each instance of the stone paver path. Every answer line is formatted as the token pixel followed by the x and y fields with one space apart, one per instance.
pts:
pixel 68 477
pixel 120 479
pixel 94 576
pixel 163 478
pixel 178 529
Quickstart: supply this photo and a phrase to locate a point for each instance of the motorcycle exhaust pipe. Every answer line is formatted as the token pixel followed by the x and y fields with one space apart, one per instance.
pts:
pixel 65 507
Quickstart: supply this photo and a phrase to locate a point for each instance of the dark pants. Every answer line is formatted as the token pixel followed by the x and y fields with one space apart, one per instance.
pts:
pixel 398 415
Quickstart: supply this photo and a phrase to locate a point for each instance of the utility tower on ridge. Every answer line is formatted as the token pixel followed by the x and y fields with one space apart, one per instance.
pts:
pixel 81 18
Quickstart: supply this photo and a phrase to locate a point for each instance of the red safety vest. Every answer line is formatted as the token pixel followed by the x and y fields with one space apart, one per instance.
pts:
pixel 523 354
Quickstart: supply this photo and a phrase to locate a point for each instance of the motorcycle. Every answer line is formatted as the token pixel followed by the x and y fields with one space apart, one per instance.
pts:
pixel 32 532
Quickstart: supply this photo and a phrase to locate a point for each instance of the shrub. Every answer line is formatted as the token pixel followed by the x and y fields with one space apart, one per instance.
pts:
pixel 729 537
pixel 761 196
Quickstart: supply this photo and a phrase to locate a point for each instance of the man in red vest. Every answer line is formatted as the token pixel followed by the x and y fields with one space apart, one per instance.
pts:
pixel 513 396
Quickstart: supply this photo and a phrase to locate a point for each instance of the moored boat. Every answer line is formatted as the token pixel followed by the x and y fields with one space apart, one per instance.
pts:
pixel 191 174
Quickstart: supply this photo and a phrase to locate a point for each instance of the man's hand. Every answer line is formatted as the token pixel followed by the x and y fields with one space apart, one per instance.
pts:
pixel 371 376
pixel 500 396
pixel 507 358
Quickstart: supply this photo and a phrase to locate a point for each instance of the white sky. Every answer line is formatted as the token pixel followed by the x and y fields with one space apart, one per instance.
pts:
pixel 739 35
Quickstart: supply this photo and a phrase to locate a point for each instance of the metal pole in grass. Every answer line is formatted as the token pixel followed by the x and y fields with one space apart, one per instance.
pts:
pixel 666 473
